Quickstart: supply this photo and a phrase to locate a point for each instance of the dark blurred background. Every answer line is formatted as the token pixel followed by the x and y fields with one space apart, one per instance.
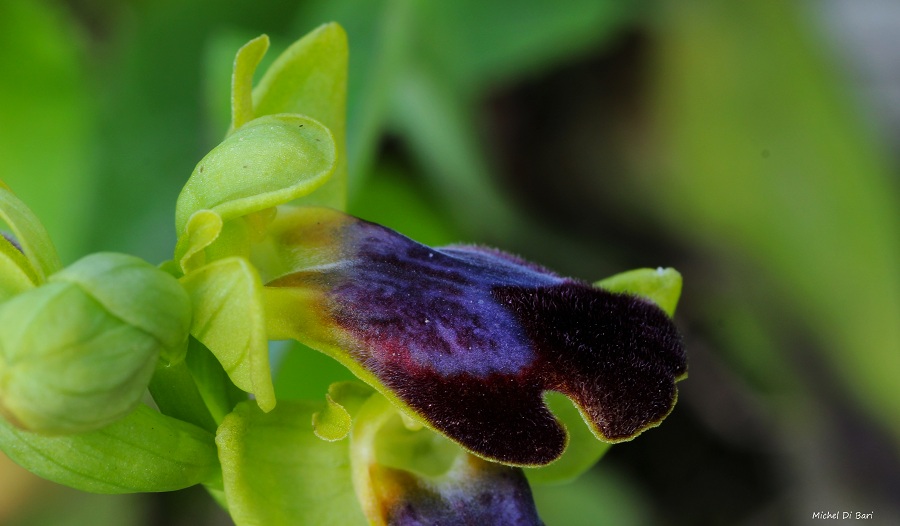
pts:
pixel 750 145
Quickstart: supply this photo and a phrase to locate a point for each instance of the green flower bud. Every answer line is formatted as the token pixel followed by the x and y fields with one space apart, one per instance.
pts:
pixel 77 353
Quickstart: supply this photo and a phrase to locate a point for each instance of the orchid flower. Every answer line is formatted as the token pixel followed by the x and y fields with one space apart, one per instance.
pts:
pixel 472 363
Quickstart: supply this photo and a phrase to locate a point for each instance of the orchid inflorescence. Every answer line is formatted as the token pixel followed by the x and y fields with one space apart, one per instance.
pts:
pixel 479 371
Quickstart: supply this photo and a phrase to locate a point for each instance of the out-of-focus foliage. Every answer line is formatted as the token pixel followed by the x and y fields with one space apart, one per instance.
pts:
pixel 729 149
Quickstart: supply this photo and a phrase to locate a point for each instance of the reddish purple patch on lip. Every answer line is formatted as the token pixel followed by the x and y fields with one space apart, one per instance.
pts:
pixel 470 338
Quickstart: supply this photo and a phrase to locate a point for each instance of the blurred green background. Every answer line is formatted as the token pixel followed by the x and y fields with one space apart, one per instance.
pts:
pixel 751 145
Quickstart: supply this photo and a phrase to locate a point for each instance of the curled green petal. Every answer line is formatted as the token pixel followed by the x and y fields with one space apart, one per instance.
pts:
pixel 342 400
pixel 268 161
pixel 660 285
pixel 77 353
pixel 277 472
pixel 333 422
pixel 228 319
pixel 245 63
pixel 202 230
pixel 30 234
pixel 145 451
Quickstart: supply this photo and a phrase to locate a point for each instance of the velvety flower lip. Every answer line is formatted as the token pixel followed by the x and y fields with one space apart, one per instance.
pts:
pixel 470 338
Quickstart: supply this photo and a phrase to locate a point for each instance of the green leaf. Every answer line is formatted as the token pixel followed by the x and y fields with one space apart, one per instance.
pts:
pixel 440 127
pixel 229 320
pixel 245 64
pixel 277 472
pixel 771 164
pixel 310 78
pixel 661 286
pixel 268 161
pixel 481 43
pixel 47 127
pixel 600 497
pixel 145 451
pixel 30 234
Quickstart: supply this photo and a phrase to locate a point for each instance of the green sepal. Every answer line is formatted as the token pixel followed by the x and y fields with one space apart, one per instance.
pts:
pixel 662 286
pixel 229 320
pixel 310 78
pixel 78 352
pixel 137 293
pixel 245 63
pixel 268 161
pixel 16 272
pixel 277 472
pixel 145 451
pixel 30 234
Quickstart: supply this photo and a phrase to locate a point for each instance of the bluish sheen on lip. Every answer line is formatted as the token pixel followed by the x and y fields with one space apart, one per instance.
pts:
pixel 431 309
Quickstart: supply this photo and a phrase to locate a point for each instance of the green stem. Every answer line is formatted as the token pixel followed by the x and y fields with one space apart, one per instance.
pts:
pixel 176 394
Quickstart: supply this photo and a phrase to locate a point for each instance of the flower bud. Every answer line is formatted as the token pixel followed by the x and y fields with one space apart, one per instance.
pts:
pixel 77 353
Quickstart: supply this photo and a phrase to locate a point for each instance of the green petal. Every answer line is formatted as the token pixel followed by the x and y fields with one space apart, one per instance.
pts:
pixel 30 234
pixel 310 78
pixel 661 286
pixel 202 230
pixel 277 472
pixel 145 451
pixel 333 422
pixel 229 320
pixel 245 64
pixel 268 161
pixel 342 400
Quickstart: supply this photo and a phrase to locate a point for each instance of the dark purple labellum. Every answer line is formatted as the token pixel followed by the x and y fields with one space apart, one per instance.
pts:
pixel 470 338
pixel 475 492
